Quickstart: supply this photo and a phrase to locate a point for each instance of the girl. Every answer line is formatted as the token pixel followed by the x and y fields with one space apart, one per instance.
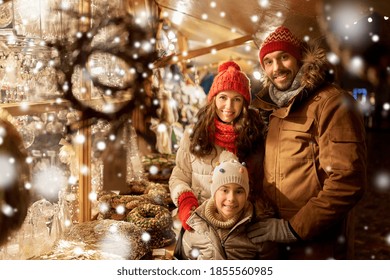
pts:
pixel 220 223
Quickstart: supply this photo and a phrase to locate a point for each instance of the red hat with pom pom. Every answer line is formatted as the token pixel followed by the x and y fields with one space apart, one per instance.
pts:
pixel 230 77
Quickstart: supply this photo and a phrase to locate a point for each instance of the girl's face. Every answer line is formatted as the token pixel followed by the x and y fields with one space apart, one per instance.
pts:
pixel 230 199
pixel 229 105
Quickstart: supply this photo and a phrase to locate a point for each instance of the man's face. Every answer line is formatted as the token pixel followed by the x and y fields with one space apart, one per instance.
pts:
pixel 281 68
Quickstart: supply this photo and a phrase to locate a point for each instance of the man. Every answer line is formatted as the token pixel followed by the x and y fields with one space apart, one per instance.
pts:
pixel 315 159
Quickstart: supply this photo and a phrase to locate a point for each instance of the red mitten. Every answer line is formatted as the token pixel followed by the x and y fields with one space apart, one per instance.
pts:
pixel 187 203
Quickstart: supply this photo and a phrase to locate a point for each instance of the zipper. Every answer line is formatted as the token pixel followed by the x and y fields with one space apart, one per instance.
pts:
pixel 216 234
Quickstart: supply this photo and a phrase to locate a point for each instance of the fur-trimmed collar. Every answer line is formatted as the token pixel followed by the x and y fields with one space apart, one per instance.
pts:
pixel 316 69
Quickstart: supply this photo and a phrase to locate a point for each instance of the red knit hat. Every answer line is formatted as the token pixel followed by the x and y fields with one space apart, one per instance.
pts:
pixel 281 40
pixel 230 77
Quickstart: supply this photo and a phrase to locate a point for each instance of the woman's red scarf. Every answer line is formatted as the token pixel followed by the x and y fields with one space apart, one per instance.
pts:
pixel 225 136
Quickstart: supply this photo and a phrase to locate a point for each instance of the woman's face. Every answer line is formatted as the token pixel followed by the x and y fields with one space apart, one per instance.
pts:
pixel 230 199
pixel 229 105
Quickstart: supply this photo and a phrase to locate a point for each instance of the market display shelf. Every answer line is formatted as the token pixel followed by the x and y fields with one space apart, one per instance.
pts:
pixel 31 108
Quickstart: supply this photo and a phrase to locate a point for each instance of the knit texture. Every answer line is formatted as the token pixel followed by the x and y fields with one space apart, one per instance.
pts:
pixel 225 136
pixel 227 172
pixel 281 40
pixel 230 77
pixel 187 203
pixel 215 218
pixel 282 98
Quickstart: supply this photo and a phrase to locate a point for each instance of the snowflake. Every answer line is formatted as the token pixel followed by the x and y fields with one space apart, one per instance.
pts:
pixel 7 167
pixel 153 170
pixel 382 181
pixel 48 182
pixel 388 239
pixel 145 237
pixel 109 244
pixel 195 253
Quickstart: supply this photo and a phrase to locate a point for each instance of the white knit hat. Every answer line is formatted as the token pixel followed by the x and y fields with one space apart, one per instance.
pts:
pixel 230 171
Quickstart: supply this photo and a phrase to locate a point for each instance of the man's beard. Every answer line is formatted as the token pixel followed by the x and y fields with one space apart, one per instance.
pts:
pixel 286 84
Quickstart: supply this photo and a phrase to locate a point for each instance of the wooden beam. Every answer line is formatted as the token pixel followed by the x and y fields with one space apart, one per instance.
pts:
pixel 84 151
pixel 173 58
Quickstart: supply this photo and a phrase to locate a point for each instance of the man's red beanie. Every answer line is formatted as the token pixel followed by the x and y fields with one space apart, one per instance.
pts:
pixel 281 40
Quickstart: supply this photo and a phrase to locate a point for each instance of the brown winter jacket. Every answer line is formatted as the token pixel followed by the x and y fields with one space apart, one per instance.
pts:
pixel 315 162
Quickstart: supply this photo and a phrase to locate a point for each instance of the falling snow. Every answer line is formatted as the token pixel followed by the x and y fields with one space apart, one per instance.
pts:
pixel 8 170
pixel 7 210
pixel 382 181
pixel 48 182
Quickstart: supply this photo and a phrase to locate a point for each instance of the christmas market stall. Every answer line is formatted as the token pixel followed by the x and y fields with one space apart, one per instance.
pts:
pixel 95 98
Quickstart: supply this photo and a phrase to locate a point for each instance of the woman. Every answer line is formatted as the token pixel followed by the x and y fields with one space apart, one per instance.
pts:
pixel 225 123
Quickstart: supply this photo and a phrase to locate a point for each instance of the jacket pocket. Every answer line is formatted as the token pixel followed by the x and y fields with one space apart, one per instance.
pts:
pixel 296 136
pixel 344 135
pixel 346 150
pixel 297 163
pixel 297 124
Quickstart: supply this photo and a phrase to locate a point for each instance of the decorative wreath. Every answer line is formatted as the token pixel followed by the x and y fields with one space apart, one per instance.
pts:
pixel 150 217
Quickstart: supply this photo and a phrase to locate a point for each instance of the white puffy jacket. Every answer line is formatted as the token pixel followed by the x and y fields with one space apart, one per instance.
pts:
pixel 192 173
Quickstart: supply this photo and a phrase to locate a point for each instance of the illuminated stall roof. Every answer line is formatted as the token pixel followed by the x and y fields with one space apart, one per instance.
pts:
pixel 217 23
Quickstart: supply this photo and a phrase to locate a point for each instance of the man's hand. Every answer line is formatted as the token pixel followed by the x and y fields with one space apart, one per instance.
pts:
pixel 271 230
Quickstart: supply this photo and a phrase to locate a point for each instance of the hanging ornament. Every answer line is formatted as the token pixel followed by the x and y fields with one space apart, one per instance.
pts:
pixel 6 15
pixel 103 71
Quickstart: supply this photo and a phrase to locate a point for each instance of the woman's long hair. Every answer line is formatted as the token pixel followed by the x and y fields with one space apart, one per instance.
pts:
pixel 248 126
